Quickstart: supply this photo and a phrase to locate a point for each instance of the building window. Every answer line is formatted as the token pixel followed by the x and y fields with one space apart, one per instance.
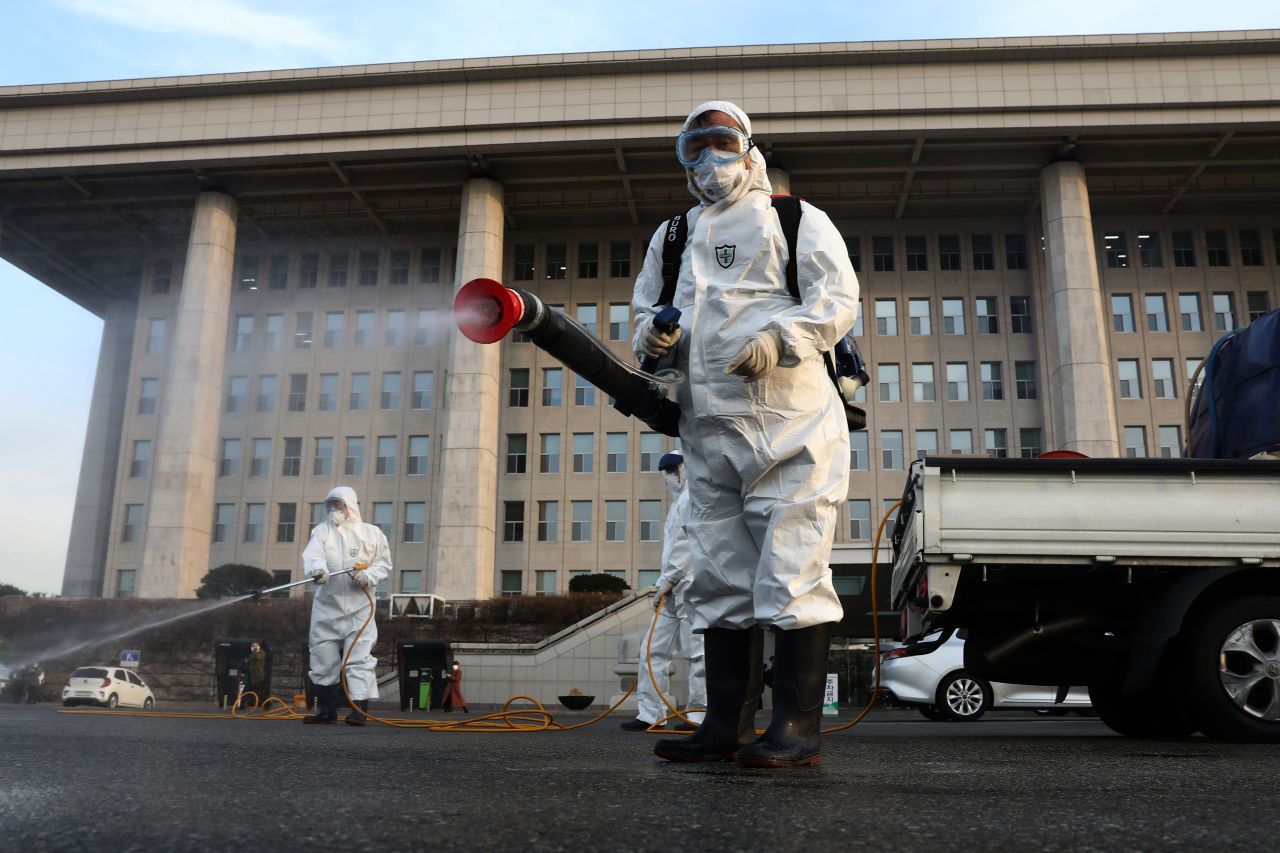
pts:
pixel 548 521
pixel 394 334
pixel 1130 384
pixel 650 451
pixel 882 254
pixel 385 464
pixel 1189 308
pixel 1149 250
pixel 1215 249
pixel 369 264
pixel 1030 442
pixel 286 522
pixel 389 399
pixel 917 253
pixel 1162 383
pixel 587 317
pixel 860 520
pixel 1259 304
pixel 1184 249
pixel 353 463
pixel 891 449
pixel 333 327
pixel 853 247
pixel 580 529
pixel 297 392
pixel 229 461
pixel 308 270
pixel 583 452
pixel 557 261
pixel 431 263
pixel 338 264
pixel 260 462
pixel 616 461
pixel 275 332
pixel 988 310
pixel 399 269
pixel 620 259
pixel 141 464
pixel 1170 442
pixel 584 393
pixel 411 582
pixel 888 376
pixel 886 317
pixel 992 373
pixel 922 383
pixel 302 330
pixel 266 393
pixel 1157 312
pixel 957 381
pixel 953 316
pixel 359 401
pixel 318 513
pixel 327 400
pixel 961 441
pixel 132 529
pixel 512 583
pixel 224 520
pixel 859 453
pixel 291 461
pixel 1024 373
pixel 126 583
pixel 237 388
pixel 552 383
pixel 244 333
pixel 650 521
pixel 255 517
pixel 619 320
pixel 415 521
pixel 1224 312
pixel 322 463
pixel 1121 312
pixel 1135 441
pixel 155 335
pixel 1193 364
pixel 513 521
pixel 424 384
pixel 983 254
pixel 918 310
pixel 523 265
pixel 424 332
pixel 383 518
pixel 518 391
pixel 948 254
pixel 1020 322
pixel 364 329
pixel 161 276
pixel 517 452
pixel 419 449
pixel 615 521
pixel 545 582
pixel 549 453
pixel 1015 251
pixel 1117 248
pixel 249 273
pixel 997 443
pixel 588 260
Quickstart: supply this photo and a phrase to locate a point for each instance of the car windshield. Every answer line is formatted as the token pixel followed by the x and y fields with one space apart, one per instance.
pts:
pixel 89 672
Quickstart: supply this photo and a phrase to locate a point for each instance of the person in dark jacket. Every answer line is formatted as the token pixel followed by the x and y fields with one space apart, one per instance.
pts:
pixel 256 667
pixel 453 697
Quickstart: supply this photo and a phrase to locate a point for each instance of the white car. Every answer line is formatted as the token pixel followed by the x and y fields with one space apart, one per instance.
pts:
pixel 929 675
pixel 108 686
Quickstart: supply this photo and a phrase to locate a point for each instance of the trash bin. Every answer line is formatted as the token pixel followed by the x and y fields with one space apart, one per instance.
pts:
pixel 417 661
pixel 231 669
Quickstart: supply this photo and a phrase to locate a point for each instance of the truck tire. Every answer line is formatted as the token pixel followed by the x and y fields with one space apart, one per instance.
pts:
pixel 963 698
pixel 1152 713
pixel 1232 667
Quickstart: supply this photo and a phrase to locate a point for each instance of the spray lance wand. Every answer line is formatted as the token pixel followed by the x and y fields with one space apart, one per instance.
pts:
pixel 269 590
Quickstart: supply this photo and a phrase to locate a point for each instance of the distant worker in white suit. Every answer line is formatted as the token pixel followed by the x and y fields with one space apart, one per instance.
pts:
pixel 675 627
pixel 339 543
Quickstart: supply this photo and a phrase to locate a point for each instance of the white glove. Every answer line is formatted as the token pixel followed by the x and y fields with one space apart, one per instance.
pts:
pixel 362 580
pixel 656 343
pixel 758 358
pixel 320 575
pixel 664 588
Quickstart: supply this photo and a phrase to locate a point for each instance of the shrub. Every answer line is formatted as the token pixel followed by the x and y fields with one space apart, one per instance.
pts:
pixel 597 583
pixel 233 579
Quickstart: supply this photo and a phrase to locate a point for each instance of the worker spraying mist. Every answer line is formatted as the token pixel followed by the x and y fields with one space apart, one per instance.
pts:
pixel 765 290
pixel 343 542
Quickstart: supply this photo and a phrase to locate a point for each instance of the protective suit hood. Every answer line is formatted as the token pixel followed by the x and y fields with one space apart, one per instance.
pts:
pixel 348 496
pixel 757 177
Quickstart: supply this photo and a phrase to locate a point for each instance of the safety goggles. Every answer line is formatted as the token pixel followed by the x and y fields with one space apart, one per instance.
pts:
pixel 718 143
pixel 331 505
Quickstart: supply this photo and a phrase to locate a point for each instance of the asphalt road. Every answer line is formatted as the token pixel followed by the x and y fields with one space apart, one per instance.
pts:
pixel 897 782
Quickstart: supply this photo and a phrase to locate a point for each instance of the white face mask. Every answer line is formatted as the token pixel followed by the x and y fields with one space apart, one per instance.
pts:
pixel 718 180
pixel 337 516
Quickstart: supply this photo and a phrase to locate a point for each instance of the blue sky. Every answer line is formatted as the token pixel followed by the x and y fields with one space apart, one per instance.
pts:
pixel 50 353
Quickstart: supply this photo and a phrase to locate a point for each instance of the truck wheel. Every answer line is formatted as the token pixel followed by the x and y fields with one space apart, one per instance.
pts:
pixel 1156 712
pixel 931 712
pixel 1232 666
pixel 963 698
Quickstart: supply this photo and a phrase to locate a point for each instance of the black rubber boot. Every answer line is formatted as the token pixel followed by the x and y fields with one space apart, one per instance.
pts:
pixel 733 661
pixel 635 725
pixel 799 682
pixel 326 705
pixel 358 714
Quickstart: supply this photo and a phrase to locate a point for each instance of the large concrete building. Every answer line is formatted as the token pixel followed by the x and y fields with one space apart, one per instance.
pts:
pixel 1049 233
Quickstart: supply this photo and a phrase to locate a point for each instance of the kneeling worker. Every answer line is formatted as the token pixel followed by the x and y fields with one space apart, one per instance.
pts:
pixel 340 608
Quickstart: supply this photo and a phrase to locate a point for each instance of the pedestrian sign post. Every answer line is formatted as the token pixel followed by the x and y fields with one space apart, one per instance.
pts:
pixel 131 657
pixel 830 701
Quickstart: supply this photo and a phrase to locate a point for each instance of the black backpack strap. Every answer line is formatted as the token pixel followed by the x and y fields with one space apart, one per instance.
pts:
pixel 788 207
pixel 675 235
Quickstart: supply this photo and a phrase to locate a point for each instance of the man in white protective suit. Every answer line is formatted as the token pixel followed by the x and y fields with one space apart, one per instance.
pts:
pixel 764 435
pixel 341 605
pixel 674 627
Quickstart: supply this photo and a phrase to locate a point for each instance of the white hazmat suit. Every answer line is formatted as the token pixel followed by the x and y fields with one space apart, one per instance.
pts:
pixel 340 606
pixel 767 460
pixel 675 625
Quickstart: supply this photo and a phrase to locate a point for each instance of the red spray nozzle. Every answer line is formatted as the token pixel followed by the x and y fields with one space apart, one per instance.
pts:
pixel 486 311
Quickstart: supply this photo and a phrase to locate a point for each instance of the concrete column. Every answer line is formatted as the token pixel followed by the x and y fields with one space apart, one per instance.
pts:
pixel 780 179
pixel 1079 370
pixel 179 514
pixel 91 520
pixel 465 506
